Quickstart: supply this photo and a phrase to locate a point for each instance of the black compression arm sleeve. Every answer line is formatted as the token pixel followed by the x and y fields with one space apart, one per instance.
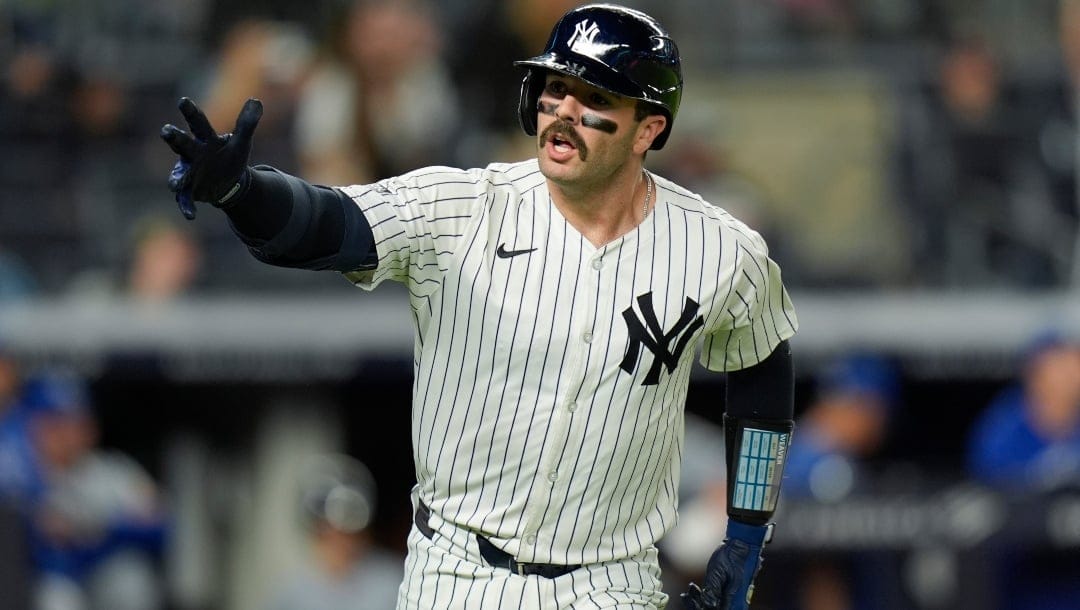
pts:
pixel 288 222
pixel 760 399
pixel 255 212
pixel 764 391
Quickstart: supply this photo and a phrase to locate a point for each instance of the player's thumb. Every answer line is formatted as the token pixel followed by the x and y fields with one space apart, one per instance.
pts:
pixel 248 119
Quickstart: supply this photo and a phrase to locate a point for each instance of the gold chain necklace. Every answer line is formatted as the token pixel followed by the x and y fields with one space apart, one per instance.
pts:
pixel 648 194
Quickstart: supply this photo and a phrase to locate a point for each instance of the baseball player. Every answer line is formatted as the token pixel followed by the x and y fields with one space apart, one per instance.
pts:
pixel 557 305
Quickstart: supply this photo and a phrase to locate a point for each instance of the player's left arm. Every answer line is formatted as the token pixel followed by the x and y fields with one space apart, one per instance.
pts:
pixel 758 425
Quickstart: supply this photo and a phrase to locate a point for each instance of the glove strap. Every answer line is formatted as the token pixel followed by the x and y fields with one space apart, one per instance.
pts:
pixel 753 535
pixel 228 199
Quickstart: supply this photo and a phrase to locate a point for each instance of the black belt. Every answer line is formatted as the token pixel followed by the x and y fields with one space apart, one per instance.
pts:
pixel 492 554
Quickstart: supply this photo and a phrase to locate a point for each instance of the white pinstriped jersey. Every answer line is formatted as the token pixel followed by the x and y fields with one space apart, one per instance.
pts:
pixel 551 375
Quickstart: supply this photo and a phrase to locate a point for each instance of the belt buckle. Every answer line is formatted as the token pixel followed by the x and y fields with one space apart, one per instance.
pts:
pixel 520 567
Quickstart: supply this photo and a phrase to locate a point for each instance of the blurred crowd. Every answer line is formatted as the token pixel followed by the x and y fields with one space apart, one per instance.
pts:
pixel 86 526
pixel 853 444
pixel 881 144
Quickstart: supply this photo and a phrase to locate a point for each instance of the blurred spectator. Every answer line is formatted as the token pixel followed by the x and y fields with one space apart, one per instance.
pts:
pixel 33 112
pixel 163 262
pixel 28 49
pixel 99 171
pixel 346 570
pixel 71 168
pixel 843 429
pixel 838 18
pixel 11 425
pixel 1059 127
pixel 486 78
pixel 832 457
pixel 10 385
pixel 16 280
pixel 1028 441
pixel 833 448
pixel 980 200
pixel 14 579
pixel 268 60
pixel 381 101
pixel 222 15
pixel 700 159
pixel 1029 436
pixel 93 517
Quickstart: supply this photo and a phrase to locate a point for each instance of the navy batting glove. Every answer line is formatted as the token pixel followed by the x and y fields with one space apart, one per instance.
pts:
pixel 729 576
pixel 212 168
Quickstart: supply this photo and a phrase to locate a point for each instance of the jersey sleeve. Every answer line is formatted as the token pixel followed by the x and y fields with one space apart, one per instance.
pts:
pixel 417 220
pixel 757 312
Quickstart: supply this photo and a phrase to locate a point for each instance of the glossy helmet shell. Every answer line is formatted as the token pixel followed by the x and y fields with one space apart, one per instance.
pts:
pixel 611 47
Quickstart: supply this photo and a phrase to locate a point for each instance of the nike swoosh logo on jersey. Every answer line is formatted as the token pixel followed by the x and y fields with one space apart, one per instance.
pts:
pixel 502 252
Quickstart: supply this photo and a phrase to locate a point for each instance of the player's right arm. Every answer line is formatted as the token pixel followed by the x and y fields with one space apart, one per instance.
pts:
pixel 758 426
pixel 284 220
pixel 752 347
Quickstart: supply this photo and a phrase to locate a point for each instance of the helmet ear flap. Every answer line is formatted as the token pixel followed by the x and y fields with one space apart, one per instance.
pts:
pixel 531 87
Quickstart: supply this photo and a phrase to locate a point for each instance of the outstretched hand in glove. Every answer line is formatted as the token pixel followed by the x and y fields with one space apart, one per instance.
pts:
pixel 730 573
pixel 212 168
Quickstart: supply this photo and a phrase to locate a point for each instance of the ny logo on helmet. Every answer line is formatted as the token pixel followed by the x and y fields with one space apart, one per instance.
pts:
pixel 575 68
pixel 584 34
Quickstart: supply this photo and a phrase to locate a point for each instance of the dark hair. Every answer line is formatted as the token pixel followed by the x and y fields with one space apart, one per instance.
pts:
pixel 644 109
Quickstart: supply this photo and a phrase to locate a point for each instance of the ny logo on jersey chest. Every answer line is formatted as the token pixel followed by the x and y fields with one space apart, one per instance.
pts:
pixel 655 339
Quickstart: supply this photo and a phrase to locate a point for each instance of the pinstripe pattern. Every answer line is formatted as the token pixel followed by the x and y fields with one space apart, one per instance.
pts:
pixel 525 426
pixel 448 572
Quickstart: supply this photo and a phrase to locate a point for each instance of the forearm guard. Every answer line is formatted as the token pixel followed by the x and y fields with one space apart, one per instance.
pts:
pixel 756 451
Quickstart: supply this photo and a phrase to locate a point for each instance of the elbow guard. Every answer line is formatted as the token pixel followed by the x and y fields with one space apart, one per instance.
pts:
pixel 314 227
pixel 756 452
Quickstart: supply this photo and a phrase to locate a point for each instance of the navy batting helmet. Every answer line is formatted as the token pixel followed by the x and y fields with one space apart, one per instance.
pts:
pixel 611 47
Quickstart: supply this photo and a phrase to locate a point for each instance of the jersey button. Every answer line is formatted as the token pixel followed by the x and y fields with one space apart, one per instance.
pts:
pixel 571 406
pixel 530 538
pixel 596 264
pixel 587 337
pixel 553 475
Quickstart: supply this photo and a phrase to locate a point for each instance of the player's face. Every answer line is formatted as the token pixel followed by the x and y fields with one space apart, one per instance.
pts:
pixel 586 134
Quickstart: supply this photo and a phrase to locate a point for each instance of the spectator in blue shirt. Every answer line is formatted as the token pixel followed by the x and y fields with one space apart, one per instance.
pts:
pixel 835 439
pixel 845 426
pixel 1027 442
pixel 93 518
pixel 1028 438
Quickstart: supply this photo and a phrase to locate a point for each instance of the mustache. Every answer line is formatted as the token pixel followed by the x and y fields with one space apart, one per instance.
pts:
pixel 565 130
